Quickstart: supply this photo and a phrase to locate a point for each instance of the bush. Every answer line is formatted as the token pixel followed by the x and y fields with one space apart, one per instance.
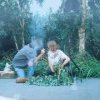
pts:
pixel 89 66
pixel 7 58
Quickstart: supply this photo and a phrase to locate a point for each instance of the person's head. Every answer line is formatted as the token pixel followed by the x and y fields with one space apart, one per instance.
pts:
pixel 36 43
pixel 52 45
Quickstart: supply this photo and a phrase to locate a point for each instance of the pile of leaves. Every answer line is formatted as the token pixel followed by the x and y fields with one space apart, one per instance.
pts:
pixel 51 80
pixel 42 78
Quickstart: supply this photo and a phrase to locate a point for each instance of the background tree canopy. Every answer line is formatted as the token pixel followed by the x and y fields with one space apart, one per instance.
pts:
pixel 75 26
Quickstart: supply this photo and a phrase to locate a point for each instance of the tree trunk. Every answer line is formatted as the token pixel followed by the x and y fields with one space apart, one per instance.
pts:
pixel 23 40
pixel 82 28
pixel 16 44
pixel 82 40
pixel 22 24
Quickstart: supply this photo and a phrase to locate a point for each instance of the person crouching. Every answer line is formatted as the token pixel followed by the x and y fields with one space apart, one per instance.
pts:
pixel 26 58
pixel 56 57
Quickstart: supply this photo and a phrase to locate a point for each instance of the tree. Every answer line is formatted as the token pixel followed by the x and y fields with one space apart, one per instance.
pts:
pixel 15 18
pixel 83 28
pixel 92 29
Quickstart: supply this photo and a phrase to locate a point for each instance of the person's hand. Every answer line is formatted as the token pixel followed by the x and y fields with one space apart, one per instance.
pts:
pixel 30 63
pixel 53 70
pixel 43 51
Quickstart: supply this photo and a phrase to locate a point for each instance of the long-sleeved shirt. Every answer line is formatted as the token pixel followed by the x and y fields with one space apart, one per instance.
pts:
pixel 23 56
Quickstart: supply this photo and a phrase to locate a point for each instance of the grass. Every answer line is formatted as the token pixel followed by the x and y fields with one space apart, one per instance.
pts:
pixel 89 66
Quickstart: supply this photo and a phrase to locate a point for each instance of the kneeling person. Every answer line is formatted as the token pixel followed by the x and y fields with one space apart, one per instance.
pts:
pixel 26 58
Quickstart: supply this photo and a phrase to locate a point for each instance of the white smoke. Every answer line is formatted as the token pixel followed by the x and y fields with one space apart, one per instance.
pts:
pixel 40 15
pixel 37 43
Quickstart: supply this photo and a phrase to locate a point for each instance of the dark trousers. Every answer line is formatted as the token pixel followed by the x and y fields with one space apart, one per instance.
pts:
pixel 68 68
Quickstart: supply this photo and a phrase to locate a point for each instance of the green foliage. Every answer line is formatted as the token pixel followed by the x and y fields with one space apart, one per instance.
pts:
pixel 42 67
pixel 49 81
pixel 41 77
pixel 7 58
pixel 93 30
pixel 14 18
pixel 89 66
pixel 2 65
pixel 62 28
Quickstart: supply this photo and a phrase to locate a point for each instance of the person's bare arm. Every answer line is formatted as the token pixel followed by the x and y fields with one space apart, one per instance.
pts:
pixel 31 62
pixel 64 58
pixel 40 55
pixel 66 61
pixel 51 66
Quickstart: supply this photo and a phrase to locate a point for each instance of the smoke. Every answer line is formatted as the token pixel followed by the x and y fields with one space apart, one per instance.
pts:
pixel 37 42
pixel 37 26
pixel 40 15
pixel 37 31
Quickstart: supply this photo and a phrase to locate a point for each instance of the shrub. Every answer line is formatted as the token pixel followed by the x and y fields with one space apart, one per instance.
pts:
pixel 89 66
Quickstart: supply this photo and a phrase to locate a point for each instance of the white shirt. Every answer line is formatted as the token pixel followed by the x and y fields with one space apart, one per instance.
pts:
pixel 56 57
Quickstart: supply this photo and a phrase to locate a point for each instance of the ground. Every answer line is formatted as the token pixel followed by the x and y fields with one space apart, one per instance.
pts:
pixel 89 89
